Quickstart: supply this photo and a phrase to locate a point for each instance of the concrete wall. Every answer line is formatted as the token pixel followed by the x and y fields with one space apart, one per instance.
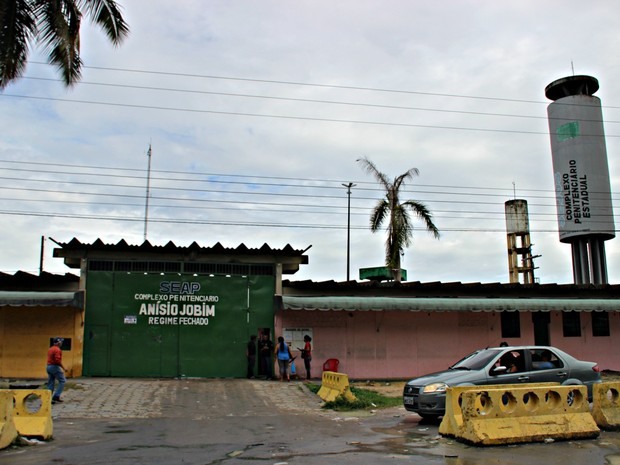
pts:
pixel 603 350
pixel 25 334
pixel 400 345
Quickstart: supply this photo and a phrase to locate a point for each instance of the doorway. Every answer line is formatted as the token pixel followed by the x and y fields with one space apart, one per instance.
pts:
pixel 541 322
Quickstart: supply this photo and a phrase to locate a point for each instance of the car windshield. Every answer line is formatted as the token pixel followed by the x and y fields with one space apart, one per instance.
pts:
pixel 476 360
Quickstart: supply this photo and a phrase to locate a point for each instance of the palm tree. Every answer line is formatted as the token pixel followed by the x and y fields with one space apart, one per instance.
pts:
pixel 56 25
pixel 399 227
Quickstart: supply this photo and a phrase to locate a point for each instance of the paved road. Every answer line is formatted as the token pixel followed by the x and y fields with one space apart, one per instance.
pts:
pixel 204 422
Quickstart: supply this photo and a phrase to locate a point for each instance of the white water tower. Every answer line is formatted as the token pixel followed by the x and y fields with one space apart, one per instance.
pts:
pixel 582 187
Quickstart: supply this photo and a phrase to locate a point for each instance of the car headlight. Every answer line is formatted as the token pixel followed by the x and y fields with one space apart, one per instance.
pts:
pixel 435 387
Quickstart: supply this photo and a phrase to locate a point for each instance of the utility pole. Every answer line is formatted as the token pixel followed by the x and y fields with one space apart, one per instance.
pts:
pixel 42 255
pixel 148 187
pixel 348 186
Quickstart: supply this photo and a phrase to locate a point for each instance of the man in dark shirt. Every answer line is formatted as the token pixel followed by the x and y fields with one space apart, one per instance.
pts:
pixel 265 349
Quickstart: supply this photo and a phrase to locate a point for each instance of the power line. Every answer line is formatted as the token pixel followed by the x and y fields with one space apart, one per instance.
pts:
pixel 412 190
pixel 185 199
pixel 250 192
pixel 324 205
pixel 304 100
pixel 193 174
pixel 321 205
pixel 252 184
pixel 278 225
pixel 436 212
pixel 286 117
pixel 308 84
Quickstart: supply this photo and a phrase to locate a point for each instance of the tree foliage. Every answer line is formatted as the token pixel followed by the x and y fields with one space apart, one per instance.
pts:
pixel 54 24
pixel 396 214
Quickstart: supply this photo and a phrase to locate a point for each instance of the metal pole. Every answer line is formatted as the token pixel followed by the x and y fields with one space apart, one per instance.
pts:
pixel 148 186
pixel 348 186
pixel 42 255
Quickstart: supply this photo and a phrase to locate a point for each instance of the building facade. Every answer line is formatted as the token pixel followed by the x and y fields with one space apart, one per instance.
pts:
pixel 398 331
pixel 150 311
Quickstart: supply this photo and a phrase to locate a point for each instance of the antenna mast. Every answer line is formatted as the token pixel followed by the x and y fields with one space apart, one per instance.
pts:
pixel 148 187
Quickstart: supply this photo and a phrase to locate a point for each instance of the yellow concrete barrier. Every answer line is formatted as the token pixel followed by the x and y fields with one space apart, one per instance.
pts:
pixel 334 385
pixel 452 421
pixel 606 405
pixel 32 412
pixel 8 432
pixel 510 416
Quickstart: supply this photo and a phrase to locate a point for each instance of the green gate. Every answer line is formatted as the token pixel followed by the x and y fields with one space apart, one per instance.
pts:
pixel 173 324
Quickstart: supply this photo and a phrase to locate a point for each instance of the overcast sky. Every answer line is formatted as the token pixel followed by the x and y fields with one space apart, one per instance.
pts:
pixel 257 111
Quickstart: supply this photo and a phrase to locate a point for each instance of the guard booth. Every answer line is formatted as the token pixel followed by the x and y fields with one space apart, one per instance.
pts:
pixel 34 309
pixel 175 311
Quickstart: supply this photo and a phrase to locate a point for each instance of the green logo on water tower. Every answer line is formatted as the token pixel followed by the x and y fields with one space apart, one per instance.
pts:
pixel 568 131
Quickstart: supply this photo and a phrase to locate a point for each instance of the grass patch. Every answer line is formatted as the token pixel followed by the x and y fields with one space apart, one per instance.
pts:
pixel 313 387
pixel 365 400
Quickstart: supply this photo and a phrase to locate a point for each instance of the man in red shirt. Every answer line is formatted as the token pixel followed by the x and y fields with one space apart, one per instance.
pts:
pixel 55 370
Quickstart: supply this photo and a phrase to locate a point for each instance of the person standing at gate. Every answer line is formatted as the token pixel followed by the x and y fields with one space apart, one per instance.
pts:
pixel 250 353
pixel 283 354
pixel 265 349
pixel 55 370
pixel 306 354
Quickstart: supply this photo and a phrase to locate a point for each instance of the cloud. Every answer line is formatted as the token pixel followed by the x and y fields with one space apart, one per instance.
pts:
pixel 238 92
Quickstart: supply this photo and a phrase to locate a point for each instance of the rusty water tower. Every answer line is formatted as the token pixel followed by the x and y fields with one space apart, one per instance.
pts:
pixel 520 259
pixel 581 174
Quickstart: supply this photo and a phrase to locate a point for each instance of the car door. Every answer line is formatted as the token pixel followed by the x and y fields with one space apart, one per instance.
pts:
pixel 547 366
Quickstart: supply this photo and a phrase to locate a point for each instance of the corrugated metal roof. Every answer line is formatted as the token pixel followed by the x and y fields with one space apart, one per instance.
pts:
pixel 146 246
pixel 42 299
pixel 23 281
pixel 430 304
pixel 449 289
pixel 74 251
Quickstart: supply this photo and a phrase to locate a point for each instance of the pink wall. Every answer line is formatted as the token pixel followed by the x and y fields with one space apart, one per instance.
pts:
pixel 401 345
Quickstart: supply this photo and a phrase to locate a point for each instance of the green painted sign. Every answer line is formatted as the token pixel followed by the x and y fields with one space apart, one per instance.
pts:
pixel 568 131
pixel 173 325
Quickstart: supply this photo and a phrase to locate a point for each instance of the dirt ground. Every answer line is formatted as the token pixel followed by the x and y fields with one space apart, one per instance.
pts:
pixel 394 388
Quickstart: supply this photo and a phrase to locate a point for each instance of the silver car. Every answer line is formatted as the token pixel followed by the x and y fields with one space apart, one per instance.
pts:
pixel 426 395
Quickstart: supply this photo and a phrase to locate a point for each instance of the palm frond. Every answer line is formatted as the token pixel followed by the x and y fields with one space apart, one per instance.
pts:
pixel 423 213
pixel 107 14
pixel 370 168
pixel 378 215
pixel 403 230
pixel 55 24
pixel 59 25
pixel 18 26
pixel 400 180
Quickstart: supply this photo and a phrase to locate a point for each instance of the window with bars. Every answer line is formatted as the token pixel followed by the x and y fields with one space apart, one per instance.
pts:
pixel 571 324
pixel 511 324
pixel 600 324
pixel 233 269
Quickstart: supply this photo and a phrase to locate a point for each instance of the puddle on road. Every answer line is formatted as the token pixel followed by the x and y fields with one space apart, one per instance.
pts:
pixel 420 440
pixel 117 430
pixel 613 459
pixel 408 440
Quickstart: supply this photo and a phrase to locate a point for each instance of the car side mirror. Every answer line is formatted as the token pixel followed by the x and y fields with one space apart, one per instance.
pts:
pixel 499 370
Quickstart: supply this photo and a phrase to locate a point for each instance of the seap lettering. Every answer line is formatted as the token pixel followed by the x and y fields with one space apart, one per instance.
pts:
pixel 179 287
